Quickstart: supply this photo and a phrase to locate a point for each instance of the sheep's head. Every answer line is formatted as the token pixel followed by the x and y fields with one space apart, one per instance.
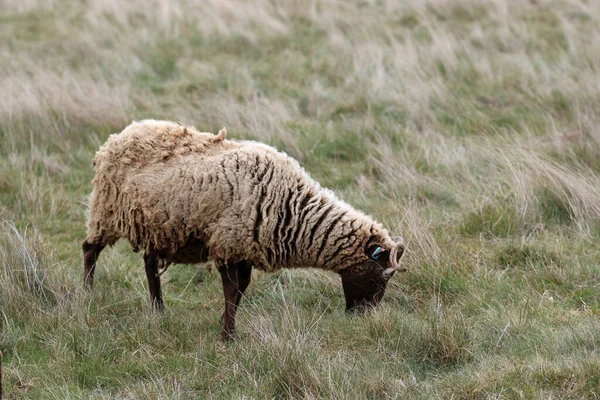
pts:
pixel 364 283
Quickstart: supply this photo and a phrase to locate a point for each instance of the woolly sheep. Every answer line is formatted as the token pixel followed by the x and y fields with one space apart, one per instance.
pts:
pixel 184 196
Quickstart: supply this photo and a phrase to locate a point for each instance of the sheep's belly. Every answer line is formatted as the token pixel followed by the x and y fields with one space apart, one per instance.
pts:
pixel 194 251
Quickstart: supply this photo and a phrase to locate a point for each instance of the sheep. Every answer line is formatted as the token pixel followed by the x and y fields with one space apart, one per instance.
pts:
pixel 184 196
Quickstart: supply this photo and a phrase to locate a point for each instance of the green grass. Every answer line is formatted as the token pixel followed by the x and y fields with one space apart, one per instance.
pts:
pixel 470 129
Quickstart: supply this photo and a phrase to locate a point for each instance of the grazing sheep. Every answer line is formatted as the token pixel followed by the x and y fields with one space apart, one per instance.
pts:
pixel 185 196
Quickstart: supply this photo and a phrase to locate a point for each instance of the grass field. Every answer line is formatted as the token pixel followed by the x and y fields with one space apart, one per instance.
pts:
pixel 470 128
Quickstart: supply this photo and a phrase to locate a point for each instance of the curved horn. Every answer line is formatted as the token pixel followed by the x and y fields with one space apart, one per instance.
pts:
pixel 388 273
pixel 397 253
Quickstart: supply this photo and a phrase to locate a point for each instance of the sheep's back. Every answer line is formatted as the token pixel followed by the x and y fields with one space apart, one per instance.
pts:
pixel 141 148
pixel 150 142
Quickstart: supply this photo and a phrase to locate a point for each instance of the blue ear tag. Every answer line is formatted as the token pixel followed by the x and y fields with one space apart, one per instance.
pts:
pixel 376 253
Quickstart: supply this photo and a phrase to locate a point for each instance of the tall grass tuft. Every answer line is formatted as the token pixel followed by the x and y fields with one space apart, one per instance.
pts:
pixel 24 274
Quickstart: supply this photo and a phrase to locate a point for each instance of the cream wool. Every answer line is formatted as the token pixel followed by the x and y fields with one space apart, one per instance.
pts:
pixel 188 197
pixel 159 183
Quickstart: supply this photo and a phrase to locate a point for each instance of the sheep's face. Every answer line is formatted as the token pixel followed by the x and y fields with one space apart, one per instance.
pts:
pixel 364 283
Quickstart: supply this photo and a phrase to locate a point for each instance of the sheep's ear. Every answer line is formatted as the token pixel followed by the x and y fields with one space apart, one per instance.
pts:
pixel 222 134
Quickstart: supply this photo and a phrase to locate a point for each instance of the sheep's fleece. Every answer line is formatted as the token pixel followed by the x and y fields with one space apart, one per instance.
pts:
pixel 159 184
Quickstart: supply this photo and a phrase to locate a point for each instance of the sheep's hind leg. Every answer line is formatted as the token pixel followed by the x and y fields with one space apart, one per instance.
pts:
pixel 151 261
pixel 91 251
pixel 236 278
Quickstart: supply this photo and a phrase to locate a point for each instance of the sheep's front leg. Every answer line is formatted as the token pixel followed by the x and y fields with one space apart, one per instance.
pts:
pixel 91 251
pixel 244 276
pixel 236 278
pixel 151 261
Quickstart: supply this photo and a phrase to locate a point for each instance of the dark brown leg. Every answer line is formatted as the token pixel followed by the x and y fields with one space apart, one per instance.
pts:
pixel 151 261
pixel 236 278
pixel 244 276
pixel 91 251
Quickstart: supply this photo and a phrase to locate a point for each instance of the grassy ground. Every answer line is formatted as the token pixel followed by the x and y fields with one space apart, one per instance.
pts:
pixel 471 128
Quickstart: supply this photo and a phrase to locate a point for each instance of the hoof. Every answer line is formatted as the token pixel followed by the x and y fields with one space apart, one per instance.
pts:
pixel 228 336
pixel 158 306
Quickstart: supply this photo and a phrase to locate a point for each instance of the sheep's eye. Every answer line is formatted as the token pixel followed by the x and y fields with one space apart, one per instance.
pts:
pixel 376 253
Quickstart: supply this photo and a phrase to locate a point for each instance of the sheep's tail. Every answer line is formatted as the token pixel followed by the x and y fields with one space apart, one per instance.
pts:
pixel 221 135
